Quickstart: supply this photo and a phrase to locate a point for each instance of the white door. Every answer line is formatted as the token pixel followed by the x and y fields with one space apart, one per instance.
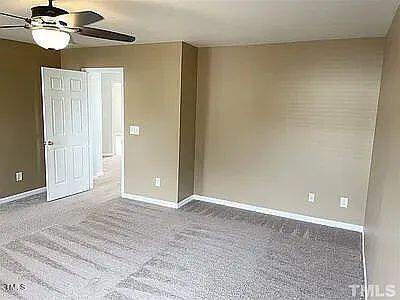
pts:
pixel 66 132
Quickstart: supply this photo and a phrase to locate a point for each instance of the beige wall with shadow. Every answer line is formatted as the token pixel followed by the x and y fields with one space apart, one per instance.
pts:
pixel 21 122
pixel 383 205
pixel 275 122
pixel 187 121
pixel 152 90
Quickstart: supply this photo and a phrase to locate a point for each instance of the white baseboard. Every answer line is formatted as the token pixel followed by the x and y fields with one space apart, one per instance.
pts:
pixel 149 200
pixel 157 201
pixel 248 207
pixel 22 195
pixel 185 201
pixel 278 213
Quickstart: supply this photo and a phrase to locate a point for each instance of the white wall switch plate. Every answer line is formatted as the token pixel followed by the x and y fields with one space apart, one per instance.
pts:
pixel 311 197
pixel 134 130
pixel 344 202
pixel 19 176
pixel 157 182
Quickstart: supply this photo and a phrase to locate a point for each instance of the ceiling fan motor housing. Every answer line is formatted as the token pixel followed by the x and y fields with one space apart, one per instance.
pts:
pixel 47 11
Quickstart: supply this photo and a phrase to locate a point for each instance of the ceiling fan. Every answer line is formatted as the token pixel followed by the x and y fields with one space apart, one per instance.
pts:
pixel 51 26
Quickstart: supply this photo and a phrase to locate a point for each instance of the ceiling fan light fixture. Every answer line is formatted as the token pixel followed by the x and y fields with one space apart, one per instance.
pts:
pixel 51 26
pixel 51 38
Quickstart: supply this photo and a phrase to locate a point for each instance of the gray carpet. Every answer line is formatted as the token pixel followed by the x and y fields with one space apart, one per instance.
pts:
pixel 129 250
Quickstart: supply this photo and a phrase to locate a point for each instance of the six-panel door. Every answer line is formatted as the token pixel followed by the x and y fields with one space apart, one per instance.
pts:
pixel 66 132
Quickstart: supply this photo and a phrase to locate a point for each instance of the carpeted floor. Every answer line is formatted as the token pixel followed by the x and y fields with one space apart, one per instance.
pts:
pixel 129 250
pixel 96 245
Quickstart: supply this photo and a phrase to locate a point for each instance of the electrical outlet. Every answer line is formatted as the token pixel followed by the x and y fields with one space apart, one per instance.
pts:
pixel 19 176
pixel 157 182
pixel 311 197
pixel 134 130
pixel 344 202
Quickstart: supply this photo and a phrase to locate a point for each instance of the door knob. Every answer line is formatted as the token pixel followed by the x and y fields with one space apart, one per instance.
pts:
pixel 49 143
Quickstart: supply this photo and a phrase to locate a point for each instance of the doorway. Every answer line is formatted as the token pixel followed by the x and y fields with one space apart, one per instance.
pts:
pixel 106 123
pixel 83 114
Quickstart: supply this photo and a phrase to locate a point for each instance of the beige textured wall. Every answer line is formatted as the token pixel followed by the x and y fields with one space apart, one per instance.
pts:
pixel 21 125
pixel 187 121
pixel 383 205
pixel 275 122
pixel 152 95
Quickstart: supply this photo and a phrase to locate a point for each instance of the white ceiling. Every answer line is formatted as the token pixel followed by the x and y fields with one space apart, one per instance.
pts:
pixel 223 22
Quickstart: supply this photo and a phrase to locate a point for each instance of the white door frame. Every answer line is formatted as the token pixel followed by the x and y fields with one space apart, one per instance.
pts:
pixel 119 70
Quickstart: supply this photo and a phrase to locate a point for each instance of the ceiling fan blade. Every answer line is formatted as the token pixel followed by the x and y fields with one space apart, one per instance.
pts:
pixel 105 34
pixel 14 16
pixel 79 19
pixel 12 26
